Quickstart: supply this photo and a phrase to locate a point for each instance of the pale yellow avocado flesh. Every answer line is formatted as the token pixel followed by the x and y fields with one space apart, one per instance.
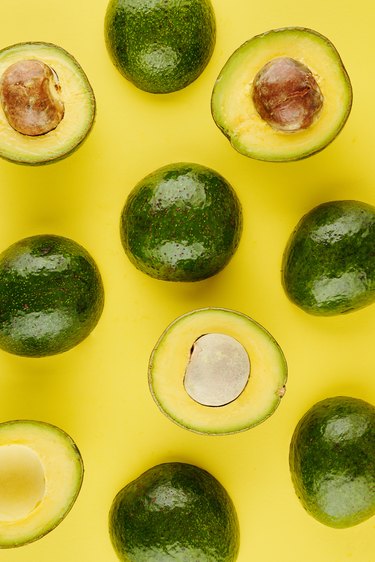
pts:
pixel 234 112
pixel 78 99
pixel 170 357
pixel 41 474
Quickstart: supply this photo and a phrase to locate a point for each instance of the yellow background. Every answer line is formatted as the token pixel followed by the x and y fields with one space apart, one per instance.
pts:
pixel 98 391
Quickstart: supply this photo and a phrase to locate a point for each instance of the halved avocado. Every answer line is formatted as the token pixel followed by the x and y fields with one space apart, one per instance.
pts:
pixel 283 95
pixel 217 371
pixel 47 104
pixel 41 473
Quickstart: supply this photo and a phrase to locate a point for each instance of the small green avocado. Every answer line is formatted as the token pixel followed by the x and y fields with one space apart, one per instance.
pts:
pixel 332 461
pixel 47 105
pixel 216 371
pixel 182 222
pixel 51 295
pixel 283 95
pixel 41 473
pixel 174 511
pixel 161 46
pixel 329 262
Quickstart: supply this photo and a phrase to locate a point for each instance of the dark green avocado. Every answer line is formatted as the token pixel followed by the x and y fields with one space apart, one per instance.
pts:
pixel 51 295
pixel 332 461
pixel 160 45
pixel 182 222
pixel 329 261
pixel 174 511
pixel 47 104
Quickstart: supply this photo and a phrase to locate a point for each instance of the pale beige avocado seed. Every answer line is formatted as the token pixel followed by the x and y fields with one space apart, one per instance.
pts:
pixel 22 482
pixel 217 371
pixel 30 95
pixel 286 95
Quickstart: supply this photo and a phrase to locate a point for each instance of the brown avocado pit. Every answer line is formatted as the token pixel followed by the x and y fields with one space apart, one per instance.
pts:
pixel 218 370
pixel 30 96
pixel 286 95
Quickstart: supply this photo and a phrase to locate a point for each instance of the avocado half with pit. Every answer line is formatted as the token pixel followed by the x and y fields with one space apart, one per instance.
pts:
pixel 283 95
pixel 41 473
pixel 47 105
pixel 51 295
pixel 217 371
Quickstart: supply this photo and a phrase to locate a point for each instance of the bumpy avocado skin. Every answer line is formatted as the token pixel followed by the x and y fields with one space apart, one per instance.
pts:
pixel 329 261
pixel 182 222
pixel 51 295
pixel 332 464
pixel 174 511
pixel 160 46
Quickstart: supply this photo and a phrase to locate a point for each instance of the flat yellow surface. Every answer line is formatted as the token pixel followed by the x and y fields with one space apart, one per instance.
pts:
pixel 98 391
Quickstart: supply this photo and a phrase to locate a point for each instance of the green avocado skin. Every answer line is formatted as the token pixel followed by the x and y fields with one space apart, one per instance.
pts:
pixel 332 461
pixel 51 296
pixel 329 262
pixel 181 223
pixel 160 45
pixel 174 511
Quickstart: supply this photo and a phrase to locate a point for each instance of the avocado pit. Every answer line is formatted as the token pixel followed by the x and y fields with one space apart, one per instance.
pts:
pixel 286 95
pixel 218 370
pixel 22 482
pixel 30 96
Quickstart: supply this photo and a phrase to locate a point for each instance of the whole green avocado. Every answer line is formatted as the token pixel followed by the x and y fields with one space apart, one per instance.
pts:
pixel 182 222
pixel 51 295
pixel 332 461
pixel 161 46
pixel 174 511
pixel 329 261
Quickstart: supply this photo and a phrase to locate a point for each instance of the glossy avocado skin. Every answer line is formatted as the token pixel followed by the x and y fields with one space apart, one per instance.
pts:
pixel 51 295
pixel 329 262
pixel 174 511
pixel 181 223
pixel 160 46
pixel 332 464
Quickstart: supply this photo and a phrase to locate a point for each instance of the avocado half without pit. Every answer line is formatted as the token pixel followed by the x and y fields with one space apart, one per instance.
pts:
pixel 51 295
pixel 283 95
pixel 41 473
pixel 217 371
pixel 47 105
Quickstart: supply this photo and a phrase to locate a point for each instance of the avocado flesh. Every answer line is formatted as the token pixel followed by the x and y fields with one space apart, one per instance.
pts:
pixel 79 107
pixel 160 47
pixel 51 296
pixel 182 222
pixel 328 263
pixel 41 473
pixel 234 112
pixel 332 465
pixel 261 394
pixel 174 511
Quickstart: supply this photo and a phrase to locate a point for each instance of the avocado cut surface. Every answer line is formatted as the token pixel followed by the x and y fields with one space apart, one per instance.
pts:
pixel 174 511
pixel 182 222
pixel 47 104
pixel 160 45
pixel 51 295
pixel 283 95
pixel 332 461
pixel 41 473
pixel 252 395
pixel 329 264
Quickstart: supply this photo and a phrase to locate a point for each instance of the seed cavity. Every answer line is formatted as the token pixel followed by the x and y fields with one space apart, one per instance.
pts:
pixel 286 95
pixel 30 96
pixel 218 370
